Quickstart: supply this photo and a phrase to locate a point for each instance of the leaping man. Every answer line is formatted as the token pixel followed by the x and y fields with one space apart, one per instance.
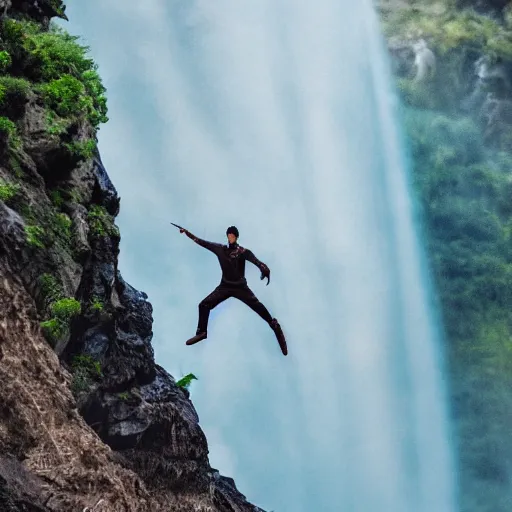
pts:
pixel 232 258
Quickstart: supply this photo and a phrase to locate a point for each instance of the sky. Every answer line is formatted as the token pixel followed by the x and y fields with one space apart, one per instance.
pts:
pixel 262 114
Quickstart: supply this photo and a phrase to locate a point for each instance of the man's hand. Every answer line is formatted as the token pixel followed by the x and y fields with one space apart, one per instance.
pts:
pixel 265 273
pixel 182 230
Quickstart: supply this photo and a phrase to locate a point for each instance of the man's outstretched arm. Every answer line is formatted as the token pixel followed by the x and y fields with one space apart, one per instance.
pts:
pixel 211 246
pixel 265 271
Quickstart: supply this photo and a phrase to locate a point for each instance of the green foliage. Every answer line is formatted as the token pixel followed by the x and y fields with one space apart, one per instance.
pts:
pixel 74 86
pixel 87 362
pixel 8 190
pixel 50 288
pixel 185 381
pixel 124 395
pixel 101 222
pixel 5 61
pixel 9 133
pixel 97 111
pixel 70 83
pixel 14 34
pixel 96 304
pixel 86 371
pixel 63 309
pixel 13 90
pixel 75 196
pixel 66 96
pixel 450 28
pixel 62 225
pixel 34 236
pixel 56 125
pixel 439 141
pixel 84 150
pixel 465 196
pixel 66 308
pixel 53 330
pixel 56 53
pixel 15 166
pixel 56 198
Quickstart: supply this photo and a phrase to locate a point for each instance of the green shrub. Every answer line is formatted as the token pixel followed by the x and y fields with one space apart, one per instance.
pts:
pixel 63 225
pixel 50 288
pixel 75 196
pixel 185 381
pixel 70 82
pixel 57 53
pixel 15 166
pixel 9 133
pixel 53 330
pixel 56 125
pixel 96 304
pixel 86 370
pixel 56 198
pixel 8 190
pixel 97 112
pixel 5 61
pixel 70 97
pixel 13 90
pixel 84 150
pixel 101 222
pixel 85 361
pixel 66 308
pixel 72 76
pixel 14 34
pixel 66 96
pixel 63 310
pixel 34 236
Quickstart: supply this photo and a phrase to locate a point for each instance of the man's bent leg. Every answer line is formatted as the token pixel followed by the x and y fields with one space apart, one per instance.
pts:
pixel 218 295
pixel 246 295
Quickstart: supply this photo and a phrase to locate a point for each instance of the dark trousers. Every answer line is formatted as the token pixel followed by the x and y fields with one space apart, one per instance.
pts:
pixel 223 292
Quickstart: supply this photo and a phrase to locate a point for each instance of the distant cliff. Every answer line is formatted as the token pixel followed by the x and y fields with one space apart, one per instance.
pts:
pixel 88 420
pixel 458 121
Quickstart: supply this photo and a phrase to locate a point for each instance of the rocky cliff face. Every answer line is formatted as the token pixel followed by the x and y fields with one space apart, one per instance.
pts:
pixel 88 420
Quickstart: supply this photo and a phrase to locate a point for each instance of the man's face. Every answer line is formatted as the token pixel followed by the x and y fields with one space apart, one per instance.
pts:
pixel 231 238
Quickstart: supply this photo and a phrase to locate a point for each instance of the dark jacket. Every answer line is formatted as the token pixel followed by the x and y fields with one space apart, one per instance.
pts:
pixel 232 260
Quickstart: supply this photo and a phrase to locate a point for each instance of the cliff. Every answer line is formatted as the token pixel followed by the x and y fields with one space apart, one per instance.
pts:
pixel 88 420
pixel 458 124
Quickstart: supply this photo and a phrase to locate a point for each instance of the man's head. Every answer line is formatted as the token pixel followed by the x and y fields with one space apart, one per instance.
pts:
pixel 232 234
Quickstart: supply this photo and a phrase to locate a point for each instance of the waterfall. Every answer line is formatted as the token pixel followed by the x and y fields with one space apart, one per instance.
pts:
pixel 278 116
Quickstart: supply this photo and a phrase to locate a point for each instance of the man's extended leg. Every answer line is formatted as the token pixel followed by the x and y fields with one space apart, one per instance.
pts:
pixel 247 296
pixel 218 295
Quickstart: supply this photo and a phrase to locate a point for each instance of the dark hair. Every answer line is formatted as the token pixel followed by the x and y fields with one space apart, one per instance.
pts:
pixel 232 230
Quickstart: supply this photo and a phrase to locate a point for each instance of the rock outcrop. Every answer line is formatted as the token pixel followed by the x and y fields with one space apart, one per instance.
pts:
pixel 88 420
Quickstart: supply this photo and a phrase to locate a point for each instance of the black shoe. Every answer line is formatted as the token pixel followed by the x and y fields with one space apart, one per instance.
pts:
pixel 197 338
pixel 279 335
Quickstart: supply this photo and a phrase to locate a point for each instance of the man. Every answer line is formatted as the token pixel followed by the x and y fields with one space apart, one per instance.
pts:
pixel 232 258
